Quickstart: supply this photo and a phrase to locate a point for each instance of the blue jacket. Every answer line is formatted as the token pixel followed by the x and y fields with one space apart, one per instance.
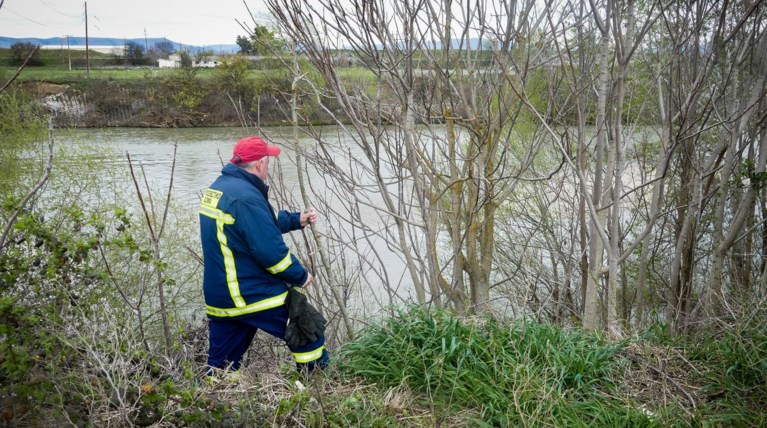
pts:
pixel 248 267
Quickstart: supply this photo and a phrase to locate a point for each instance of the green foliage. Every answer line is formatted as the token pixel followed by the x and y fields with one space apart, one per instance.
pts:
pixel 22 127
pixel 78 282
pixel 19 52
pixel 134 53
pixel 232 76
pixel 736 362
pixel 30 361
pixel 264 41
pixel 246 48
pixel 188 90
pixel 358 409
pixel 528 372
pixel 730 365
pixel 48 280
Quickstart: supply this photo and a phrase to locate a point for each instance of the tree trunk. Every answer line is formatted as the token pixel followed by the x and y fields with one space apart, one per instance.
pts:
pixel 597 246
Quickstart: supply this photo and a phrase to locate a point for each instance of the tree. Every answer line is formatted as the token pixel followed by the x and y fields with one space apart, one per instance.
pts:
pixel 246 48
pixel 19 52
pixel 265 41
pixel 134 53
pixel 161 49
pixel 261 41
pixel 717 97
pixel 448 180
pixel 187 61
pixel 634 129
pixel 164 46
pixel 231 75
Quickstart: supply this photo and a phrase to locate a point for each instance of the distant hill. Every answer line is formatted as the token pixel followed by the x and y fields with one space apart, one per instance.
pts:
pixel 78 42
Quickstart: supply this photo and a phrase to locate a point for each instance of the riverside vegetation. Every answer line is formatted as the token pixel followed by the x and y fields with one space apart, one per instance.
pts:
pixel 146 96
pixel 85 342
pixel 579 199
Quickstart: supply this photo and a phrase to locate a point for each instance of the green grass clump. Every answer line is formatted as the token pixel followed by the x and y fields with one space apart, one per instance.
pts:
pixel 734 359
pixel 524 373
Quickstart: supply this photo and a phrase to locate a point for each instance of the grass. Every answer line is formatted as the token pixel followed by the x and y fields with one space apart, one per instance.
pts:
pixel 59 75
pixel 532 374
pixel 431 369
pixel 520 374
pixel 103 66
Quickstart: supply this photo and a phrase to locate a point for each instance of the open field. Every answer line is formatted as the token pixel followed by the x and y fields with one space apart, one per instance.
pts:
pixel 50 74
pixel 63 75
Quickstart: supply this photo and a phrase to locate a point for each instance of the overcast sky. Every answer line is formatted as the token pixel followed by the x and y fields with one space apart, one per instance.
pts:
pixel 194 22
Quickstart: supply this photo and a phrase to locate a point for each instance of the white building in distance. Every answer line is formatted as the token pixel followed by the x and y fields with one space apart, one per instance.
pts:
pixel 174 61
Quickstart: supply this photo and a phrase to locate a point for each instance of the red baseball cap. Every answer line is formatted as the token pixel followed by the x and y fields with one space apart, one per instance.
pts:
pixel 251 149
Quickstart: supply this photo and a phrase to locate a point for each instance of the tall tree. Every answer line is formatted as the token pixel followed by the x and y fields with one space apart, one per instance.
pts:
pixel 134 53
pixel 246 48
pixel 496 133
pixel 429 71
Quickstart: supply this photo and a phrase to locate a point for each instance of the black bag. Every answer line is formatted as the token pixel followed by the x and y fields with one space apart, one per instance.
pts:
pixel 305 323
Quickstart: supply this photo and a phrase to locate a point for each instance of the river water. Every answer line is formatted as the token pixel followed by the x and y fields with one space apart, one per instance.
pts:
pixel 200 155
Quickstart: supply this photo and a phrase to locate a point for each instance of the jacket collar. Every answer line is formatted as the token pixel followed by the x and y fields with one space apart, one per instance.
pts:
pixel 234 171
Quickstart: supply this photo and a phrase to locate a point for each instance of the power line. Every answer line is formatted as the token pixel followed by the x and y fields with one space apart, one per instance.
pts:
pixel 48 5
pixel 6 8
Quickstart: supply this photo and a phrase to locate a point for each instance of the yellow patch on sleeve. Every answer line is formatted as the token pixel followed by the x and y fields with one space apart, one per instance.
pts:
pixel 210 198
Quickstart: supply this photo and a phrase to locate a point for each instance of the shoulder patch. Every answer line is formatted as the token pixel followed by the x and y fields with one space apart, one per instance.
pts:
pixel 210 198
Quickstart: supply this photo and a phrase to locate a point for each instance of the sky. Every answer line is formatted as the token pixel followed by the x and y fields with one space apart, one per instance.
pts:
pixel 193 22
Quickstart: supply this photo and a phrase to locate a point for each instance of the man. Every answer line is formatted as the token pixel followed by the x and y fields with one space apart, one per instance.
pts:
pixel 248 268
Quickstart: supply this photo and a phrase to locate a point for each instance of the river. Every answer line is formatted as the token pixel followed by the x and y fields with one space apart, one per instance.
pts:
pixel 200 154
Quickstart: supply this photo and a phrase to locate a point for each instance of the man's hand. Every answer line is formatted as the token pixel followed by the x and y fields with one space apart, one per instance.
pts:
pixel 309 280
pixel 309 216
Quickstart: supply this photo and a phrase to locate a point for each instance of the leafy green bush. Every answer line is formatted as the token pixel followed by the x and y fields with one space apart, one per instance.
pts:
pixel 22 125
pixel 80 332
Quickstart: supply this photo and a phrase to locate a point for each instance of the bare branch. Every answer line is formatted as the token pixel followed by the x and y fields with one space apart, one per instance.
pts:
pixel 21 67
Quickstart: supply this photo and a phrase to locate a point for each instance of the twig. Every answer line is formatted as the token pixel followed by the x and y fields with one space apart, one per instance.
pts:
pixel 240 113
pixel 170 190
pixel 309 250
pixel 140 197
pixel 111 277
pixel 23 65
pixel 194 255
pixel 666 377
pixel 149 197
pixel 155 239
pixel 673 382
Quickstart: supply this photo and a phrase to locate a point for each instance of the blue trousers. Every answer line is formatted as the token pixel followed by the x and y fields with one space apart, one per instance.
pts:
pixel 229 339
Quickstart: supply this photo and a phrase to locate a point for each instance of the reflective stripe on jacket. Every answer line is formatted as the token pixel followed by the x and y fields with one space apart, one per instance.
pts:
pixel 247 265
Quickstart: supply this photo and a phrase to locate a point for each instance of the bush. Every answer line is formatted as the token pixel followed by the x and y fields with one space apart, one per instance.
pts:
pixel 22 127
pixel 79 279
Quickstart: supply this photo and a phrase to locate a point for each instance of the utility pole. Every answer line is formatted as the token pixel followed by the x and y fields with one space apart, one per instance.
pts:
pixel 146 45
pixel 87 54
pixel 69 54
